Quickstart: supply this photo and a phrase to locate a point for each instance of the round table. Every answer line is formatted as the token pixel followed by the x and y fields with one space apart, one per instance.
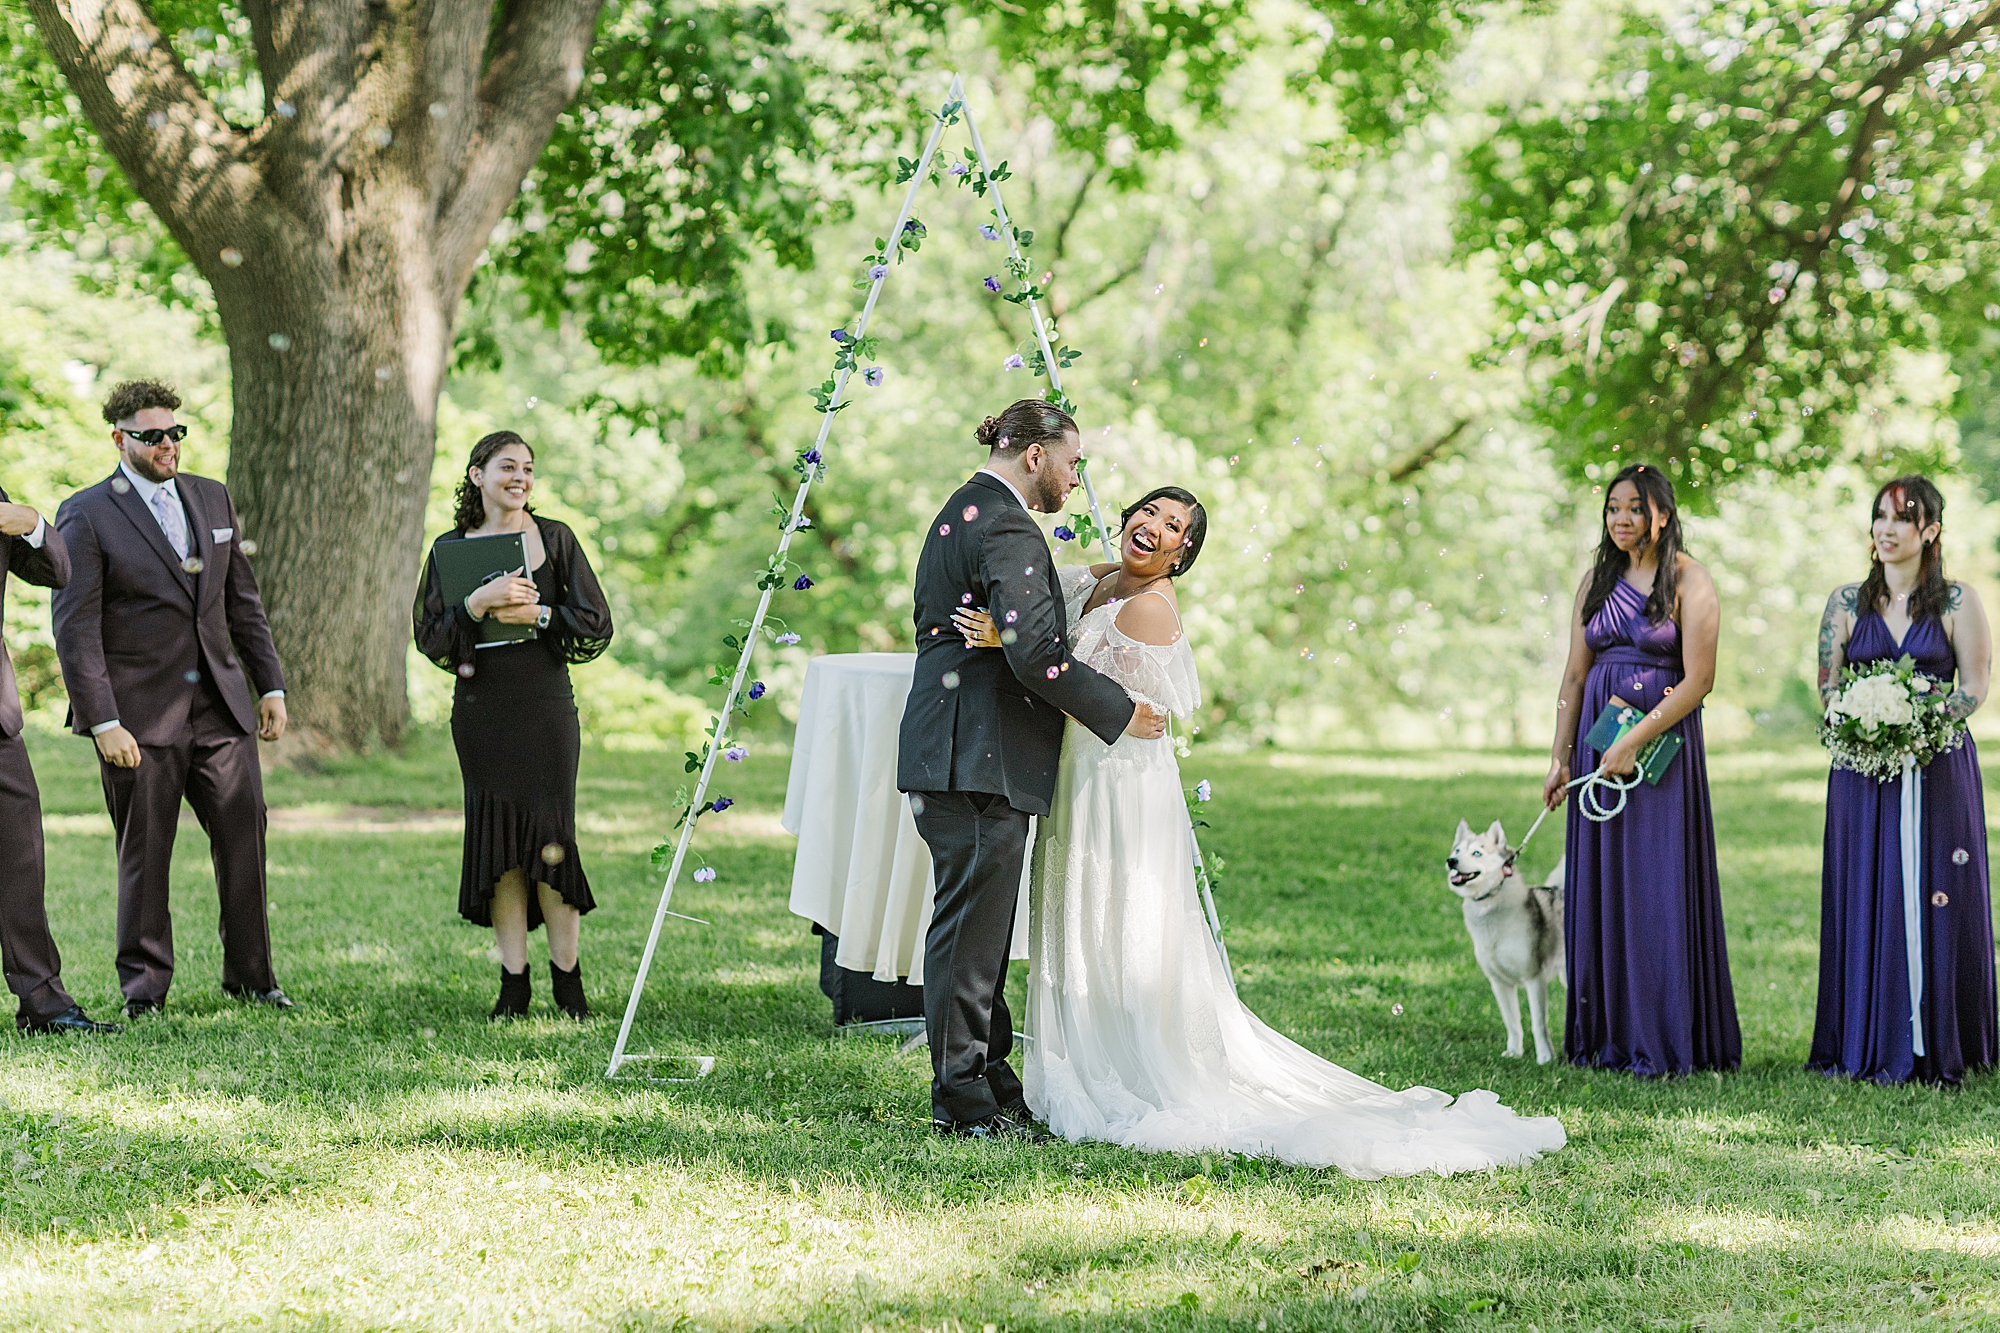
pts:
pixel 862 871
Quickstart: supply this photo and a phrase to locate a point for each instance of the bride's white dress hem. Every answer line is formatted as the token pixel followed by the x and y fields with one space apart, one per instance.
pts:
pixel 1135 1034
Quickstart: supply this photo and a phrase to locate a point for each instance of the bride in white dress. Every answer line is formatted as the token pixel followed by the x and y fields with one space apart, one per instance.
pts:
pixel 1135 1034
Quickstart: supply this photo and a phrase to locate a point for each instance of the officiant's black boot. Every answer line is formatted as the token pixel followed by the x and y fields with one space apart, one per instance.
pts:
pixel 566 988
pixel 513 1001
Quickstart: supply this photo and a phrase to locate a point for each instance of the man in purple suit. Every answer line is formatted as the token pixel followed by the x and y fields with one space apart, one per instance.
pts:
pixel 32 550
pixel 170 666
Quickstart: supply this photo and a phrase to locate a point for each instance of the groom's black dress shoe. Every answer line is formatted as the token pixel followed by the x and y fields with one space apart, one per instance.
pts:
pixel 141 1008
pixel 72 1019
pixel 999 1125
pixel 1019 1112
pixel 273 998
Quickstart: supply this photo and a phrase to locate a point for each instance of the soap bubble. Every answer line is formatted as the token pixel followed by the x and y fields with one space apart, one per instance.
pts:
pixel 965 599
pixel 1940 898
pixel 231 256
pixel 192 564
pixel 191 677
pixel 1054 672
pixel 120 485
pixel 465 670
pixel 944 529
pixel 284 108
pixel 280 342
pixel 553 854
pixel 1959 856
pixel 439 110
pixel 247 547
pixel 969 513
pixel 1007 636
pixel 382 374
pixel 916 804
pixel 381 136
pixel 950 680
pixel 1396 1009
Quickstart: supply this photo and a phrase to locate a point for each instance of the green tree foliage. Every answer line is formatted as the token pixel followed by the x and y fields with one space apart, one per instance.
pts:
pixel 1758 202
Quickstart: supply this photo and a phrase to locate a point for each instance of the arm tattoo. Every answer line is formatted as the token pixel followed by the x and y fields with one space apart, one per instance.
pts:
pixel 1830 642
pixel 1954 594
pixel 1960 705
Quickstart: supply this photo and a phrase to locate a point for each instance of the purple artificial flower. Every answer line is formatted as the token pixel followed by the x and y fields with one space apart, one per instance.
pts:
pixel 735 754
pixel 877 273
pixel 872 377
pixel 1013 362
pixel 1202 791
pixel 842 336
pixel 959 169
pixel 756 689
pixel 913 225
pixel 993 284
pixel 810 458
pixel 1065 535
pixel 721 803
pixel 788 639
pixel 704 875
pixel 801 584
pixel 989 231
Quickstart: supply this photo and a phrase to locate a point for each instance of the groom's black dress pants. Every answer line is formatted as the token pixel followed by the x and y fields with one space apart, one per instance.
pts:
pixel 977 843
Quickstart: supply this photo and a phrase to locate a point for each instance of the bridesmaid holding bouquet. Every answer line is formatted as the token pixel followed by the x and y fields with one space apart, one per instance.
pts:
pixel 1873 1022
pixel 1648 972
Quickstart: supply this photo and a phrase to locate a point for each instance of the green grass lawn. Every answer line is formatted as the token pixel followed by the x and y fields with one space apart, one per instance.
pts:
pixel 384 1159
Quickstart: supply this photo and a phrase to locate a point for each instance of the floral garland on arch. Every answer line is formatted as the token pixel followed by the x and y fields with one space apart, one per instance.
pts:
pixel 855 349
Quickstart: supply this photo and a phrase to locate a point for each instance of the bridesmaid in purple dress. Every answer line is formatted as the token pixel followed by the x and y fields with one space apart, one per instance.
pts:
pixel 1865 1027
pixel 1648 973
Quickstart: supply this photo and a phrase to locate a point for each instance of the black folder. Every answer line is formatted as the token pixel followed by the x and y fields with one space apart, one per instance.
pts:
pixel 471 562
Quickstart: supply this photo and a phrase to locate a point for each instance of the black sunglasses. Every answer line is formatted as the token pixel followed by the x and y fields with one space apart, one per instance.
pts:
pixel 174 433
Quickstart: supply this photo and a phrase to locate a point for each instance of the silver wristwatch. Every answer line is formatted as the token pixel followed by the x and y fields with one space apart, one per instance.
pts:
pixel 542 620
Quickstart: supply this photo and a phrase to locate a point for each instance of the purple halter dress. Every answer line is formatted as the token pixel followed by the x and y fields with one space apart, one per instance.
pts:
pixel 1863 1028
pixel 1649 988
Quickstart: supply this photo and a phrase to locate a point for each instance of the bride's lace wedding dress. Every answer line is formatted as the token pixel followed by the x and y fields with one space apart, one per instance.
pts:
pixel 1135 1035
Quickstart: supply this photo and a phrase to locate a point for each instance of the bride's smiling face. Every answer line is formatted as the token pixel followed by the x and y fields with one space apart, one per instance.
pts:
pixel 1151 544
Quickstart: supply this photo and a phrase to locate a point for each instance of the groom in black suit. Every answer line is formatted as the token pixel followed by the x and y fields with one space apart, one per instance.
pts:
pixel 981 737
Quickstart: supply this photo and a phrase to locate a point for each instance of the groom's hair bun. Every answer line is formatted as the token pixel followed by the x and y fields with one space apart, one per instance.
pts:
pixel 1028 421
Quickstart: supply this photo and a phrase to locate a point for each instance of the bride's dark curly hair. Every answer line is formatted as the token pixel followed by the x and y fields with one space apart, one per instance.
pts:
pixel 471 504
pixel 1191 540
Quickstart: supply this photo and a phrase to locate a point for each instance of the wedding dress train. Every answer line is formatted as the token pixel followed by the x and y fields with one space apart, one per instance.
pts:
pixel 1135 1035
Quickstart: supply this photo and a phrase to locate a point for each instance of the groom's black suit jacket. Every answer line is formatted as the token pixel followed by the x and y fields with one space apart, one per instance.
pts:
pixel 991 719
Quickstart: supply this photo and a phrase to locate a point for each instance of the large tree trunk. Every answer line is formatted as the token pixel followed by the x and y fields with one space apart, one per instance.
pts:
pixel 338 236
pixel 333 431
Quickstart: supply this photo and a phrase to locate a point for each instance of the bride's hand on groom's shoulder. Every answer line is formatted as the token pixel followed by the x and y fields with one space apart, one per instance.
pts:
pixel 977 627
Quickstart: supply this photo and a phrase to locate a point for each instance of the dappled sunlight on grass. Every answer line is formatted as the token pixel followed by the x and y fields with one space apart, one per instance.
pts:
pixel 384 1158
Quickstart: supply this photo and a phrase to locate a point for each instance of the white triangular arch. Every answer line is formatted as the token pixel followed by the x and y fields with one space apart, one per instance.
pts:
pixel 954 109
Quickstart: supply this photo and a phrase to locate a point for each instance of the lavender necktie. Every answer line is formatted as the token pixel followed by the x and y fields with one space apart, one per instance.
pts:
pixel 169 515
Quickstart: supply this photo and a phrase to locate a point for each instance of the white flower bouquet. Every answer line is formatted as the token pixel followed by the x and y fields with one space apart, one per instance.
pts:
pixel 1883 711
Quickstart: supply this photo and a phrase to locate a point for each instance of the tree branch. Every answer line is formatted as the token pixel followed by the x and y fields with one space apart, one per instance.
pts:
pixel 1427 455
pixel 175 148
pixel 536 67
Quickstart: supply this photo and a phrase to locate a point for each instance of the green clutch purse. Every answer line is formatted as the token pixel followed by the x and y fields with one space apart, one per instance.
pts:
pixel 1619 718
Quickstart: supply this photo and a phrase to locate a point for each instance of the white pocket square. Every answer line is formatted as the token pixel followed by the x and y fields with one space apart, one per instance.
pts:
pixel 221 534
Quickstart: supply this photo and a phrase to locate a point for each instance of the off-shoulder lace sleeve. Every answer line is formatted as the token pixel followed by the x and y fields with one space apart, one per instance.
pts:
pixel 1075 581
pixel 1159 674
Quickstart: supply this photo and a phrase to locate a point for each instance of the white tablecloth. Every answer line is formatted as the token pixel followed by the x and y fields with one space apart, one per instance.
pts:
pixel 862 870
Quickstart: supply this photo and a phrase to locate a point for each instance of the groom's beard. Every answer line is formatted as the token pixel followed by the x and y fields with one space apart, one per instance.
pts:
pixel 1049 493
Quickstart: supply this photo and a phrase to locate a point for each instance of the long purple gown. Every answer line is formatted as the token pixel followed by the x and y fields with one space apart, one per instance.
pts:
pixel 1649 985
pixel 1863 1029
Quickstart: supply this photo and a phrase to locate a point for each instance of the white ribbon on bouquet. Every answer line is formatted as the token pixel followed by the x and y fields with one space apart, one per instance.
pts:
pixel 1912 839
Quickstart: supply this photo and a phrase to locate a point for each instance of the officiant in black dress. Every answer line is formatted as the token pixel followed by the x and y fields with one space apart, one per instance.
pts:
pixel 514 724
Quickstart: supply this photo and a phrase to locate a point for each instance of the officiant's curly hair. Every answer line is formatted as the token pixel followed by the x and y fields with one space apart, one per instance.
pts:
pixel 471 504
pixel 1657 493
pixel 1916 499
pixel 1025 422
pixel 1197 528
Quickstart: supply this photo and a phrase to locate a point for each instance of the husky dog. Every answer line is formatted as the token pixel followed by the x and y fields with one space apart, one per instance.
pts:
pixel 1516 929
